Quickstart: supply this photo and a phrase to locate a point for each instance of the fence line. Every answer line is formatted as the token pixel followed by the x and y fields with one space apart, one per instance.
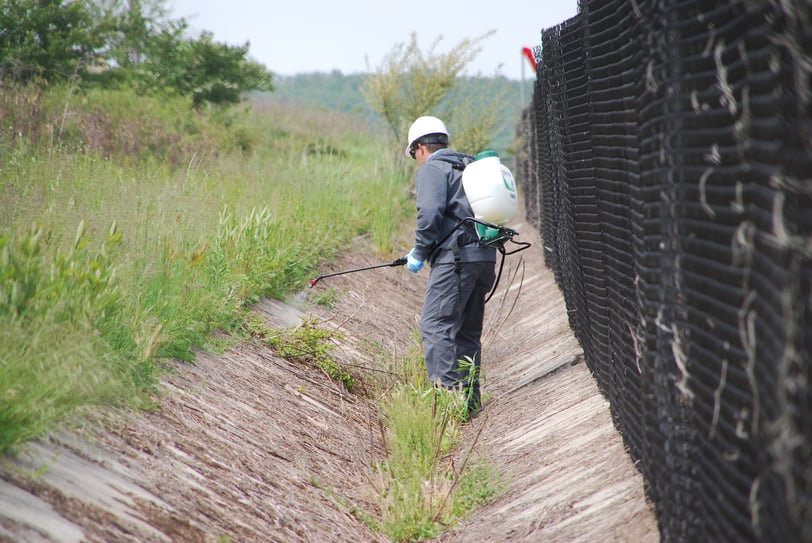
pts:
pixel 668 170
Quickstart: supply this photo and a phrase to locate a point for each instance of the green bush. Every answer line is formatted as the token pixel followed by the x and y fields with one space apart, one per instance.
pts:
pixel 45 39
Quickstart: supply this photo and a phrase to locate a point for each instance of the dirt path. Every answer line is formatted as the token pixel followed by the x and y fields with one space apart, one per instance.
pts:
pixel 247 447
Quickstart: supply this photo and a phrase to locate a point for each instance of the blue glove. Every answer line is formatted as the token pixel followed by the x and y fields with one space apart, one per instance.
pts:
pixel 412 264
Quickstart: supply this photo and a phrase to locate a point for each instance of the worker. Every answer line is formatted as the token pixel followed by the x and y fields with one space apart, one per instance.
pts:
pixel 461 269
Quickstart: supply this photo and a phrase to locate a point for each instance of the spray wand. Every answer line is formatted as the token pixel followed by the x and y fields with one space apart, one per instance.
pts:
pixel 399 262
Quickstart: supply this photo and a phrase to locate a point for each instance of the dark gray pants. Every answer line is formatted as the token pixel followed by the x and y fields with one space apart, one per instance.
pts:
pixel 451 322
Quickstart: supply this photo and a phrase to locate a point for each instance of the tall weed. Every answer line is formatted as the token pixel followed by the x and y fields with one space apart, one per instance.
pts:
pixel 423 491
pixel 199 234
pixel 60 325
pixel 425 483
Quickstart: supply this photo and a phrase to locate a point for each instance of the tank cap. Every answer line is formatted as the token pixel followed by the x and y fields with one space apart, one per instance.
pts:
pixel 486 154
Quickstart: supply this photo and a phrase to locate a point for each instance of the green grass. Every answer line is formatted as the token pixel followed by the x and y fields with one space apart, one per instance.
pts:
pixel 427 484
pixel 424 490
pixel 112 263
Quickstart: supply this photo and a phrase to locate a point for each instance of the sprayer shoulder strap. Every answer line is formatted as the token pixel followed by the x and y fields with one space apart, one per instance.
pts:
pixel 458 161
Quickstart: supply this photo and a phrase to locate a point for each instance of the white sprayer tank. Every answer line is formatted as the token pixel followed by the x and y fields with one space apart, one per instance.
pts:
pixel 490 188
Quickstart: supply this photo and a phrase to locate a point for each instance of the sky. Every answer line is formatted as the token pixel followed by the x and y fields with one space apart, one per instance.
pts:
pixel 354 36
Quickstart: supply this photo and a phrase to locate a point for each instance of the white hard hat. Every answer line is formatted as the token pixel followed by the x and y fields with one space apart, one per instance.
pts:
pixel 423 126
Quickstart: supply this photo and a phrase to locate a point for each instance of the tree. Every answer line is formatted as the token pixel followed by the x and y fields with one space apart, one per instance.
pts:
pixel 130 26
pixel 45 38
pixel 160 56
pixel 410 83
pixel 52 39
pixel 207 71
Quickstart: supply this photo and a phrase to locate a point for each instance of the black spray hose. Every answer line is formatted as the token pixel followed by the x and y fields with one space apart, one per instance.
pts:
pixel 498 276
pixel 399 262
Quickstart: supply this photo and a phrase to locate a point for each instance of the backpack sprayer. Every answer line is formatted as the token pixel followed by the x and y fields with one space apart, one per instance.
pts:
pixel 491 191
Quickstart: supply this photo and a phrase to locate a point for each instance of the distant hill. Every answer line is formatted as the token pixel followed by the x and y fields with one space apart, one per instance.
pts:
pixel 337 91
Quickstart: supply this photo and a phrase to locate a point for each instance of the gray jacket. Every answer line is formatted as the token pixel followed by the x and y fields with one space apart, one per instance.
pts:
pixel 441 205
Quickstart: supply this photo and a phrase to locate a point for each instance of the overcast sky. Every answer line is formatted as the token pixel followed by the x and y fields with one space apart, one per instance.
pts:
pixel 301 36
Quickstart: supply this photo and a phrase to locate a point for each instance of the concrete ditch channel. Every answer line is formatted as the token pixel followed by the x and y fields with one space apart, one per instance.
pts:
pixel 248 447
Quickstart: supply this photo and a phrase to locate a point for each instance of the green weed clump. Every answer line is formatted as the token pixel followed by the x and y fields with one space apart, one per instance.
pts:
pixel 64 346
pixel 308 344
pixel 426 483
pixel 424 490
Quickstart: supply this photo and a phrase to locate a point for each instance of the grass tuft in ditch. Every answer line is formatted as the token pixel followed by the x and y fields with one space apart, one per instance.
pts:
pixel 427 482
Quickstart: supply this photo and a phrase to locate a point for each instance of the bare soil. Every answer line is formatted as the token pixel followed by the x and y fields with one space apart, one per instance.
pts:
pixel 246 446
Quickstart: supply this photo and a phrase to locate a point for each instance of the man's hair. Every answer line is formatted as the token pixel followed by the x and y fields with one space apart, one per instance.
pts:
pixel 431 147
pixel 434 141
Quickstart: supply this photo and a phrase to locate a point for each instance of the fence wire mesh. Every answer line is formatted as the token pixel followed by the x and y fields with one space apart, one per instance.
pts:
pixel 668 170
